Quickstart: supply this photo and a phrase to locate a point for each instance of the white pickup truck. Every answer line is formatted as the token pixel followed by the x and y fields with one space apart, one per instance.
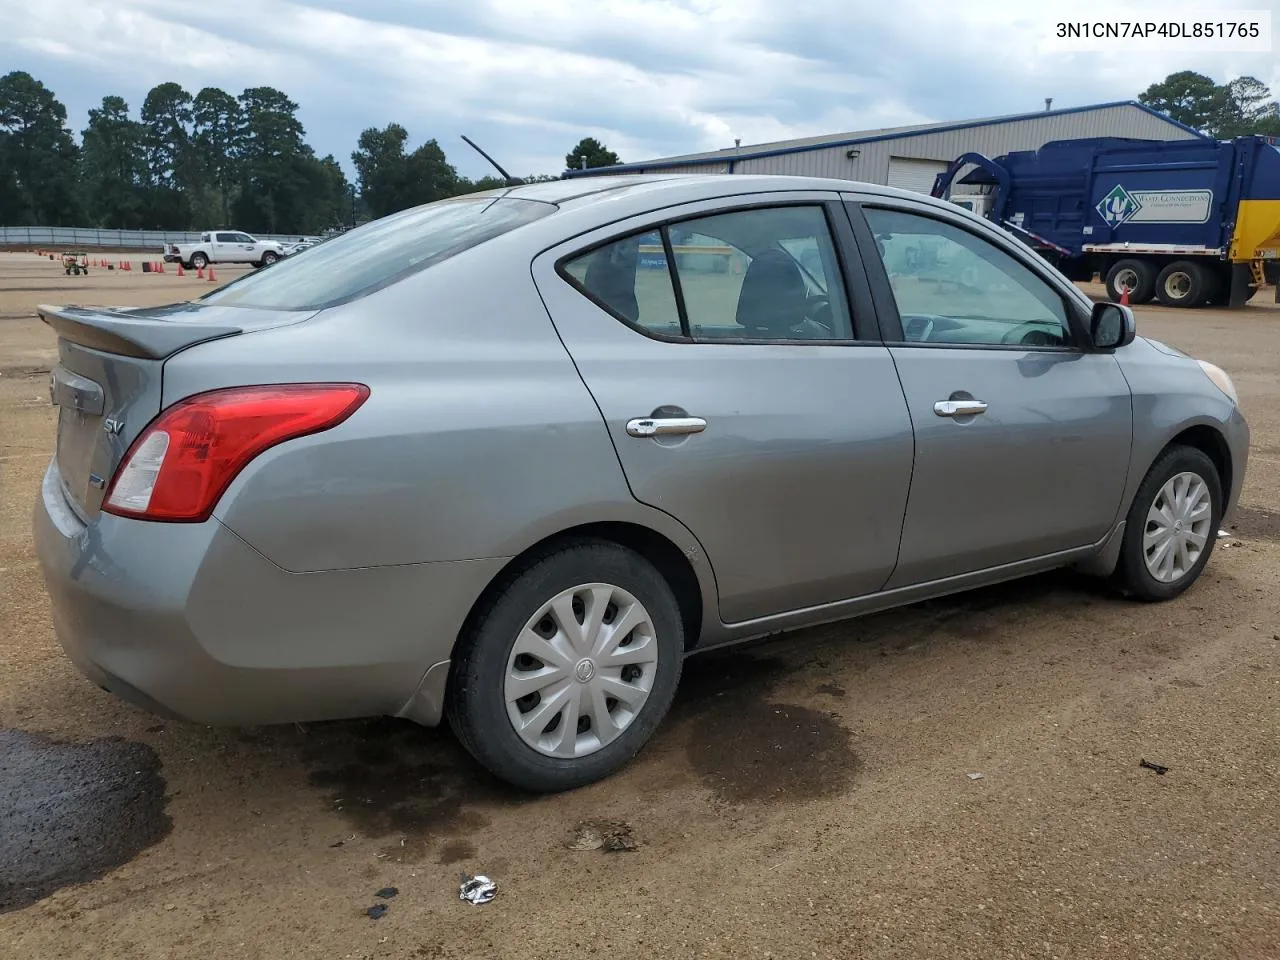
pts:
pixel 224 246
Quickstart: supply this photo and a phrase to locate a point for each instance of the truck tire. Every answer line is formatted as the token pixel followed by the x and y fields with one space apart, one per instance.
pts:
pixel 1137 275
pixel 1183 283
pixel 199 261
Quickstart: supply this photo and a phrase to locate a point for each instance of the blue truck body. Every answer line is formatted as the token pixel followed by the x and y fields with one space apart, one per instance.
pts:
pixel 1190 221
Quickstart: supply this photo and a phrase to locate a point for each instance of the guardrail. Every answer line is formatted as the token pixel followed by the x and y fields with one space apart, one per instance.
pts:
pixel 123 239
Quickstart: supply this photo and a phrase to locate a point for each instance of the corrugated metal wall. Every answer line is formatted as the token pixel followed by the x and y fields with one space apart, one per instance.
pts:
pixel 872 162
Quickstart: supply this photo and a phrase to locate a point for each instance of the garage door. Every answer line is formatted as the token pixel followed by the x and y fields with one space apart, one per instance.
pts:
pixel 907 173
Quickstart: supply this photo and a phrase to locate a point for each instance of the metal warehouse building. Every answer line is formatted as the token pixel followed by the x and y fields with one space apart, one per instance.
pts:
pixel 910 157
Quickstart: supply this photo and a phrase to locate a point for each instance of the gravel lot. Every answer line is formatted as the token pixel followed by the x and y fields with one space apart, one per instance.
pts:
pixel 808 797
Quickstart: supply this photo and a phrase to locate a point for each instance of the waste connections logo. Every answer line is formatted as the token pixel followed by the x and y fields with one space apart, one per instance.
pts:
pixel 1118 206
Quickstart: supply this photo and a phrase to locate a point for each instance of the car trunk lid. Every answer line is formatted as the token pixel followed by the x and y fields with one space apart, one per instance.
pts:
pixel 106 383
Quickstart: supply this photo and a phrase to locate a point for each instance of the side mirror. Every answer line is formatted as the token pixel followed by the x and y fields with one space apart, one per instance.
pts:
pixel 1111 326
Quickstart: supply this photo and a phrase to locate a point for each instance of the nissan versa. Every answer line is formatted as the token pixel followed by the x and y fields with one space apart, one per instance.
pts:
pixel 506 459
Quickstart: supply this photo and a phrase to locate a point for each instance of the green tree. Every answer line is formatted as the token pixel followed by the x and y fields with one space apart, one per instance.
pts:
pixel 430 176
pixel 392 180
pixel 1246 106
pixel 168 119
pixel 595 153
pixel 1241 107
pixel 38 158
pixel 217 127
pixel 273 159
pixel 1188 97
pixel 381 168
pixel 114 166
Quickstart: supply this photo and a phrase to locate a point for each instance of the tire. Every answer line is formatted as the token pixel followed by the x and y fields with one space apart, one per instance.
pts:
pixel 199 261
pixel 1134 576
pixel 1183 283
pixel 476 702
pixel 1138 275
pixel 269 258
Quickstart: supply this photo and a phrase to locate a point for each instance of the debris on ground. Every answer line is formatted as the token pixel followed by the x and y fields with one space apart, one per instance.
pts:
pixel 1147 764
pixel 612 836
pixel 386 893
pixel 376 911
pixel 976 776
pixel 477 889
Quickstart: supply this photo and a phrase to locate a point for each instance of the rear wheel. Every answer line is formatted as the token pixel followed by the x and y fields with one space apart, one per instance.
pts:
pixel 199 261
pixel 1171 527
pixel 1136 276
pixel 1183 283
pixel 568 673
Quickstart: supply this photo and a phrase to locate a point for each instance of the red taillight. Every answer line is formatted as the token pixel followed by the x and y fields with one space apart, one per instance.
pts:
pixel 182 462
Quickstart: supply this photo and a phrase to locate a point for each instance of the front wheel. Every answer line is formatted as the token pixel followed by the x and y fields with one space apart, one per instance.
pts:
pixel 570 670
pixel 199 261
pixel 1172 526
pixel 269 258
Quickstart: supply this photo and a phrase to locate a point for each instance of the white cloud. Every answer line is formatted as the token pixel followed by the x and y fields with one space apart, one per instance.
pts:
pixel 649 77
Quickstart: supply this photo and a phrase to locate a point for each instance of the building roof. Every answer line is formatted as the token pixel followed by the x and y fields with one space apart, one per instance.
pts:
pixel 779 147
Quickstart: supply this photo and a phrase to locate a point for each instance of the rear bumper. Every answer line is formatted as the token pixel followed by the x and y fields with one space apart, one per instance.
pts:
pixel 188 620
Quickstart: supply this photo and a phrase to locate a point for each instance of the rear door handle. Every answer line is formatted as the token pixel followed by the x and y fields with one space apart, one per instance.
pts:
pixel 959 408
pixel 665 426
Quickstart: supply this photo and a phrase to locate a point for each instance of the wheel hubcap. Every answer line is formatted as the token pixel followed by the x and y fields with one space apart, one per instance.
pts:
pixel 1178 527
pixel 1127 280
pixel 1177 286
pixel 581 670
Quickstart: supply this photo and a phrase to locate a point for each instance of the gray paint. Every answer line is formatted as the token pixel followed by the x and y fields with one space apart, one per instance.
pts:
pixel 337 571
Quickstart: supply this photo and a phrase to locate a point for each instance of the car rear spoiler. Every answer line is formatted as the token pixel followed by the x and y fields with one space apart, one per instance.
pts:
pixel 128 333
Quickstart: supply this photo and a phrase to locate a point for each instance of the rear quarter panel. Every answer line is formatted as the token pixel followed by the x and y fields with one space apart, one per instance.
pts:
pixel 478 439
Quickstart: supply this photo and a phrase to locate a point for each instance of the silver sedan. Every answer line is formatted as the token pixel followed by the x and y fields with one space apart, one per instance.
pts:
pixel 507 459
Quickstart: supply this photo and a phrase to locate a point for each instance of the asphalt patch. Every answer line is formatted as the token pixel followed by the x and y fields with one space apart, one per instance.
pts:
pixel 394 781
pixel 749 747
pixel 70 813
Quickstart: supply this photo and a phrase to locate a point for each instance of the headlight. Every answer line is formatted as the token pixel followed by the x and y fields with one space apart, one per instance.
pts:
pixel 1220 380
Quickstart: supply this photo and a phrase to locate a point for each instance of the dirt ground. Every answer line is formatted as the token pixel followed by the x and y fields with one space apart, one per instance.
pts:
pixel 807 798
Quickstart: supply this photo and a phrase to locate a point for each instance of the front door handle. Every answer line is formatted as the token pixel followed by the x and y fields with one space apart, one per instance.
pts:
pixel 959 408
pixel 665 426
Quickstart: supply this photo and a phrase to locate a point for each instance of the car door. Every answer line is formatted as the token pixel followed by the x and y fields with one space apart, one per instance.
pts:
pixel 746 394
pixel 246 249
pixel 226 248
pixel 1022 433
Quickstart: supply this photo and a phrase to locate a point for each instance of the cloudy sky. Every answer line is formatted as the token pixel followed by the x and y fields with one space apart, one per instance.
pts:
pixel 528 78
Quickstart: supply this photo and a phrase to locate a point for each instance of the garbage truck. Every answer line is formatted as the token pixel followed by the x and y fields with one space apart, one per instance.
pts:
pixel 1186 222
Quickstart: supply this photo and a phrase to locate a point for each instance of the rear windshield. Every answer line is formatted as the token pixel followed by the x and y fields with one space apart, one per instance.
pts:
pixel 356 263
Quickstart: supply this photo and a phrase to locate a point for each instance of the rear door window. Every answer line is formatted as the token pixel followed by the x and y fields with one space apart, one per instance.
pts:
pixel 360 261
pixel 762 274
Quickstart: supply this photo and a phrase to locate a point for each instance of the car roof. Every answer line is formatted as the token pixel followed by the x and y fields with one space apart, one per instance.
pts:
pixel 661 189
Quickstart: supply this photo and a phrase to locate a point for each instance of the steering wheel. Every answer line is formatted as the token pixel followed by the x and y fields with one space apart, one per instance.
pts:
pixel 1031 335
pixel 917 329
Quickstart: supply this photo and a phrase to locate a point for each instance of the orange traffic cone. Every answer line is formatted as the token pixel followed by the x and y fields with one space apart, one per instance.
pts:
pixel 1124 296
pixel 199 273
pixel 211 276
pixel 181 272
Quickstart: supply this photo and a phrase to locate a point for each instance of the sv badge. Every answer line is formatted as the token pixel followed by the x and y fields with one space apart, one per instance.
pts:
pixel 112 426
